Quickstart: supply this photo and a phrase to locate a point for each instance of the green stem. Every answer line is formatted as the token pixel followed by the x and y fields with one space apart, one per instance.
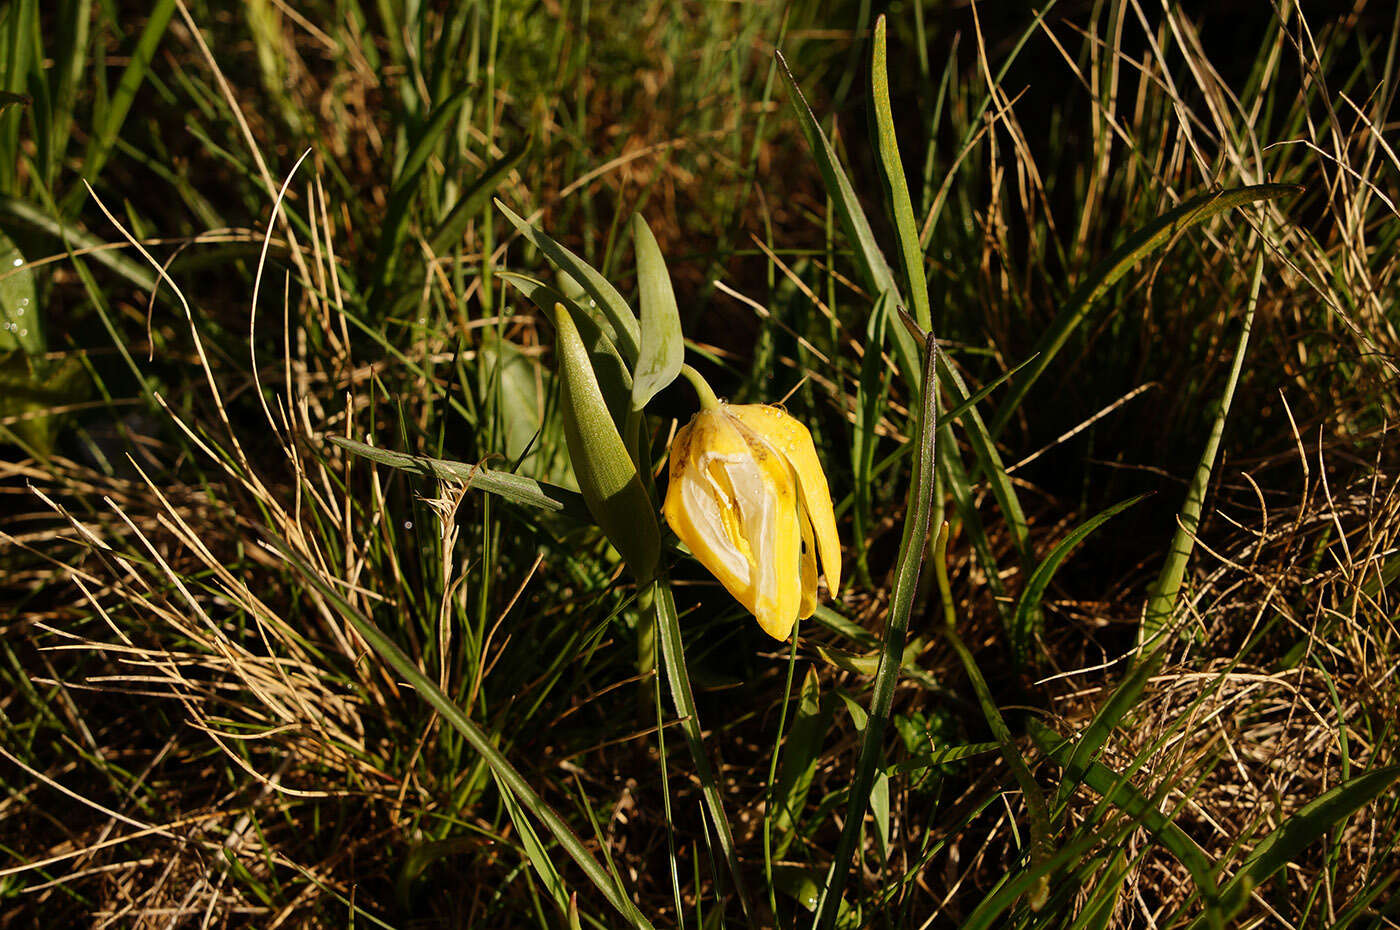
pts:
pixel 703 391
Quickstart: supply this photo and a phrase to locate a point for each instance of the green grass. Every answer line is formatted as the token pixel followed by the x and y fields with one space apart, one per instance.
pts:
pixel 307 618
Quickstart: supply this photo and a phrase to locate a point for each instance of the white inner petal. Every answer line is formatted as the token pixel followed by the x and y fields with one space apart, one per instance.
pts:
pixel 758 517
pixel 703 501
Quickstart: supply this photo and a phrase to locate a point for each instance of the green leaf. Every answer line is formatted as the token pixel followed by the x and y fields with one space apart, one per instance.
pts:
pixel 405 187
pixel 851 216
pixel 20 325
pixel 607 476
pixel 609 301
pixel 450 230
pixel 662 350
pixel 109 122
pixel 1138 246
pixel 613 377
pixel 911 253
pixel 942 756
pixel 678 677
pixel 1026 620
pixel 515 488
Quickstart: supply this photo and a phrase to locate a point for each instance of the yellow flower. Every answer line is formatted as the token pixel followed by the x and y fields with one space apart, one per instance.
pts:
pixel 749 498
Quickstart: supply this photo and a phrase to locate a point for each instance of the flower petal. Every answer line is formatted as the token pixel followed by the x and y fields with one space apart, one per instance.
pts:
pixel 762 488
pixel 790 438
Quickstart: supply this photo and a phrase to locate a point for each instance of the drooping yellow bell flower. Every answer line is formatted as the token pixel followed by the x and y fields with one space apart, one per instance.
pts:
pixel 748 497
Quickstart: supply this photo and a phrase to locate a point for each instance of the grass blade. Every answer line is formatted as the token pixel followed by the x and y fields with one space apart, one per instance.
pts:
pixel 1161 601
pixel 1121 794
pixel 104 139
pixel 1305 827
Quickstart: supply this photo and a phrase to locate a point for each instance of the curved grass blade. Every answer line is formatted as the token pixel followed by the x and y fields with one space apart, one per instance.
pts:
pixel 506 775
pixel 610 302
pixel 515 488
pixel 906 581
pixel 673 657
pixel 1026 620
pixel 1119 262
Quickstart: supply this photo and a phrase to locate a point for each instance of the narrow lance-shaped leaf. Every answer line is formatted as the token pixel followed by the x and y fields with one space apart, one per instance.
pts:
pixel 515 488
pixel 606 474
pixel 613 377
pixel 1162 597
pixel 662 350
pixel 609 301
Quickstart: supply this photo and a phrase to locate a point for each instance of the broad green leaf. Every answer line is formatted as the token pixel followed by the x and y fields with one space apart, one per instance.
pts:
pixel 607 476
pixel 1026 620
pixel 662 349
pixel 20 324
pixel 609 301
pixel 515 488
pixel 1137 247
